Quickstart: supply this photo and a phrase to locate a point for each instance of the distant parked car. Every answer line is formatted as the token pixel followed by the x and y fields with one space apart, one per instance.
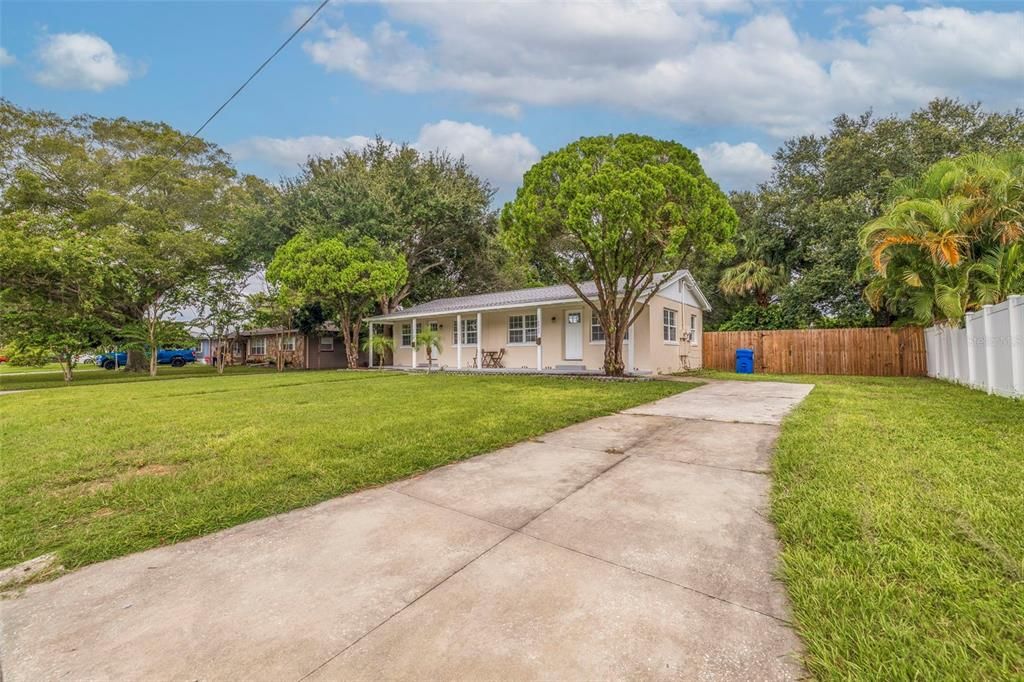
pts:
pixel 86 359
pixel 4 358
pixel 175 358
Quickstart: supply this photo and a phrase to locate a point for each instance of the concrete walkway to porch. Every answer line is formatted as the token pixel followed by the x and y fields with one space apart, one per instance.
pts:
pixel 631 546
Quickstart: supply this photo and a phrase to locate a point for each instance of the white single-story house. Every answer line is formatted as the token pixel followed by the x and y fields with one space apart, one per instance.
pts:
pixel 551 329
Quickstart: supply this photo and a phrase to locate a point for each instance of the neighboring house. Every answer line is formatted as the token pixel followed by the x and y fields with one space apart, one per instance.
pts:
pixel 321 350
pixel 551 328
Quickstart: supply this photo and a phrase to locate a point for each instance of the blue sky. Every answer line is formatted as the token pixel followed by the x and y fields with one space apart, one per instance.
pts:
pixel 503 82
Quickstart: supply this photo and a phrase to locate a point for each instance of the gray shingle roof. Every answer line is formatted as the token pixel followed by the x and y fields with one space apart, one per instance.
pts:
pixel 264 331
pixel 499 299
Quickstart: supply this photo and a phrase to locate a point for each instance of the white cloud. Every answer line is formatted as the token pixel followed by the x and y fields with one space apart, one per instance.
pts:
pixel 735 166
pixel 501 158
pixel 678 60
pixel 288 153
pixel 6 58
pixel 80 61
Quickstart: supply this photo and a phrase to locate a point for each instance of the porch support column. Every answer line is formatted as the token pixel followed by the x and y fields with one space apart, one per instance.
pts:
pixel 414 343
pixel 479 337
pixel 458 341
pixel 369 345
pixel 631 351
pixel 540 340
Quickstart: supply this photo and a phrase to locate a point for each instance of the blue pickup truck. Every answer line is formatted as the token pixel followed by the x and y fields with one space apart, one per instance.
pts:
pixel 175 358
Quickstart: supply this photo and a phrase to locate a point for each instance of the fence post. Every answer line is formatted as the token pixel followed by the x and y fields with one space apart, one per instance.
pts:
pixel 954 344
pixel 972 354
pixel 990 355
pixel 1016 311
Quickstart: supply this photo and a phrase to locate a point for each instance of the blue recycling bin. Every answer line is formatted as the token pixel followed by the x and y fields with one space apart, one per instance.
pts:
pixel 744 360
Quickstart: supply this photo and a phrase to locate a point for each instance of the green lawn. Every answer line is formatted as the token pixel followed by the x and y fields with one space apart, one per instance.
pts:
pixel 87 375
pixel 8 368
pixel 900 505
pixel 95 472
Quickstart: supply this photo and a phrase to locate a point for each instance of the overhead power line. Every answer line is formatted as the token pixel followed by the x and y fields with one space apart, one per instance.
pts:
pixel 194 134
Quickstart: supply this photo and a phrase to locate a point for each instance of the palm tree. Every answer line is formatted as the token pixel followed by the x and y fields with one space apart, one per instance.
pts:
pixel 950 240
pixel 429 340
pixel 755 278
pixel 757 271
pixel 999 273
pixel 380 346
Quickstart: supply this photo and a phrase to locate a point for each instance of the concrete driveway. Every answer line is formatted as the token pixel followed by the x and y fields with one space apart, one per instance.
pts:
pixel 630 546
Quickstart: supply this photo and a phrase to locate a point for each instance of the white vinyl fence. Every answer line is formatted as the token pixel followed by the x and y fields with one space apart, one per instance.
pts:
pixel 988 354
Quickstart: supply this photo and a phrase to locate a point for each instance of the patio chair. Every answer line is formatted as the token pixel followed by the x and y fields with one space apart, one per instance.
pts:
pixel 498 357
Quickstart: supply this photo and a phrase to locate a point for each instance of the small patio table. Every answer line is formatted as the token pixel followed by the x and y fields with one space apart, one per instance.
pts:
pixel 492 358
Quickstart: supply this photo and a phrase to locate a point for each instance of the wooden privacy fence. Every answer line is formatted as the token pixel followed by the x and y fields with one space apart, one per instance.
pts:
pixel 879 351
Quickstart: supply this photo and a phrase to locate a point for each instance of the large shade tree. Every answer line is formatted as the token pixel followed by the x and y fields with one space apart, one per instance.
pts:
pixel 428 207
pixel 171 207
pixel 56 288
pixel 345 277
pixel 618 210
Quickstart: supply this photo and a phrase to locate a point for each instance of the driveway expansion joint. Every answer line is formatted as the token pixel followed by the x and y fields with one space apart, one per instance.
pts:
pixel 407 605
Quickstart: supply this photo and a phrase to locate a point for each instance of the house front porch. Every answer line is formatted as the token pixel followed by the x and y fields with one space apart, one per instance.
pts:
pixel 550 339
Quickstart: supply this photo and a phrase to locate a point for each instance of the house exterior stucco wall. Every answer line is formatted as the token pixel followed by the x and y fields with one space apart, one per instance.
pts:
pixel 652 353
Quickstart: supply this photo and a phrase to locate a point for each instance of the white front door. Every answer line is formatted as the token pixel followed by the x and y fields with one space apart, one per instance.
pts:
pixel 574 335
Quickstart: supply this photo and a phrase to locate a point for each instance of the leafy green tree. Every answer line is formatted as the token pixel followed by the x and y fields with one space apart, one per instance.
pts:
pixel 278 307
pixel 949 241
pixel 825 188
pixel 56 288
pixel 169 206
pixel 345 278
pixel 380 345
pixel 222 310
pixel 429 208
pixel 618 210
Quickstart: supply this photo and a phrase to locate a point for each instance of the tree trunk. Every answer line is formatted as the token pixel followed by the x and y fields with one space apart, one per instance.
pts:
pixel 66 362
pixel 219 360
pixel 614 320
pixel 136 361
pixel 350 336
pixel 613 364
pixel 279 361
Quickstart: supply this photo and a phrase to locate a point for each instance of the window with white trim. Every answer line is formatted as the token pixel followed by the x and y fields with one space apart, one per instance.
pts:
pixel 258 345
pixel 406 340
pixel 522 328
pixel 693 329
pixel 327 344
pixel 668 326
pixel 468 333
pixel 597 334
pixel 288 342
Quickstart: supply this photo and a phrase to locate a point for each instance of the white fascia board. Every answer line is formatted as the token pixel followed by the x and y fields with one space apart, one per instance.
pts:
pixel 397 317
